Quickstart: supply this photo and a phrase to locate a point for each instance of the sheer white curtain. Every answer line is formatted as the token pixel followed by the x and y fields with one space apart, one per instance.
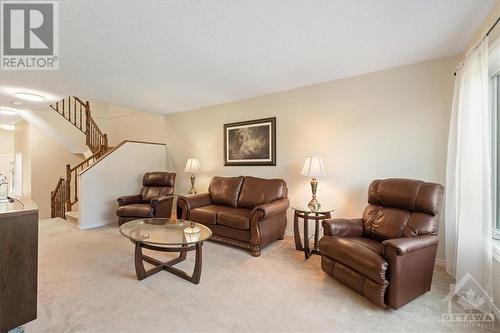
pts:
pixel 469 183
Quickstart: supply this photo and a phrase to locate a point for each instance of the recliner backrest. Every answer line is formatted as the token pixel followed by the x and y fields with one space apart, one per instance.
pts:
pixel 157 184
pixel 402 208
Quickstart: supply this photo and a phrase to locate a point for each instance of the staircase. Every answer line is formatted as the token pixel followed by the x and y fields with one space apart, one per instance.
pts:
pixel 75 111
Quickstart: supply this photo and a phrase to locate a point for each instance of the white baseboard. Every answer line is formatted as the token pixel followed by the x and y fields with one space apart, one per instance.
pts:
pixel 441 263
pixel 96 225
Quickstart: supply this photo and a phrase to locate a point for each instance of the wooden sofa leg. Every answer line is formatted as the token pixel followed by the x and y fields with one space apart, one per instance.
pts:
pixel 255 253
pixel 255 250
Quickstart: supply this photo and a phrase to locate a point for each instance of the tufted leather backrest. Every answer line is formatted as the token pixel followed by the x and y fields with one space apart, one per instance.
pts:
pixel 225 190
pixel 157 184
pixel 402 208
pixel 258 191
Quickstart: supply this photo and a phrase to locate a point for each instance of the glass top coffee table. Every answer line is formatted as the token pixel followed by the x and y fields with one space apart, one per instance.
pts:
pixel 166 235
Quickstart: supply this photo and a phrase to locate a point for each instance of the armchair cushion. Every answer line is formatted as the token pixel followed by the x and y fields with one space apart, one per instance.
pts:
pixel 407 245
pixel 129 199
pixel 273 208
pixel 151 192
pixel 343 227
pixel 135 210
pixel 238 218
pixel 357 256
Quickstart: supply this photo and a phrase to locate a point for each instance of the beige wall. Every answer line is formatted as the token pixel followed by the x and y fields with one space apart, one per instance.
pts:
pixel 121 123
pixel 22 146
pixel 7 155
pixel 6 142
pixel 392 123
pixel 44 162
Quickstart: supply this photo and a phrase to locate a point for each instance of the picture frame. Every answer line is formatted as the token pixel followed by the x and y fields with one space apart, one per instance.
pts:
pixel 250 143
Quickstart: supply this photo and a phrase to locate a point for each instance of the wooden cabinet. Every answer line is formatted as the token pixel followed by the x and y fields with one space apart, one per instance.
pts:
pixel 18 264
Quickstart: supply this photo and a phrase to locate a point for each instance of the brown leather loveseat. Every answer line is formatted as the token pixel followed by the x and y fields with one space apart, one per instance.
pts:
pixel 246 212
pixel 155 200
pixel 387 255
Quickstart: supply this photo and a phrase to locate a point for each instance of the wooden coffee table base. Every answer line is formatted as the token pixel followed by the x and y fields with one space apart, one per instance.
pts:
pixel 167 266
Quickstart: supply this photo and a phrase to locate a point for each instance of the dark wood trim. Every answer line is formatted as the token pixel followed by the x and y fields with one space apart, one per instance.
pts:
pixel 272 120
pixel 116 148
pixel 18 268
pixel 139 259
pixel 317 217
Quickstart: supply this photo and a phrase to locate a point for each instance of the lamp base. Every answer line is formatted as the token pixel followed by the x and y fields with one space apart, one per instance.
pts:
pixel 314 204
pixel 192 190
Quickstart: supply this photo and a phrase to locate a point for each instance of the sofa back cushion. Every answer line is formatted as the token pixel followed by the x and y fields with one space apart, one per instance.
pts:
pixel 402 208
pixel 225 190
pixel 258 191
pixel 157 184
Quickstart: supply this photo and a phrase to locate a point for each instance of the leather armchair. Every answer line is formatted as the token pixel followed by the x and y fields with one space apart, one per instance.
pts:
pixel 155 200
pixel 387 255
pixel 246 212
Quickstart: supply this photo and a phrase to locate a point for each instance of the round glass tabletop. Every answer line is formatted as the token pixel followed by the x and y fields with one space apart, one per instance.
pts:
pixel 306 209
pixel 163 231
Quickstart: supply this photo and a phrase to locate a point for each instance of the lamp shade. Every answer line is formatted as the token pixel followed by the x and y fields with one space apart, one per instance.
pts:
pixel 313 167
pixel 192 165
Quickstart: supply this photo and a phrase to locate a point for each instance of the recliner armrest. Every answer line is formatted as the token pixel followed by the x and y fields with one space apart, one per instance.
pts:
pixel 129 199
pixel 343 227
pixel 409 244
pixel 273 208
pixel 195 201
pixel 162 206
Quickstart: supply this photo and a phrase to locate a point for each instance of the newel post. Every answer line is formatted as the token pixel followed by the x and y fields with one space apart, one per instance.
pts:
pixel 68 187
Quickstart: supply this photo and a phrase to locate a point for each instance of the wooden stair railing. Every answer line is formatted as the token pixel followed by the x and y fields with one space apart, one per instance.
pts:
pixel 65 195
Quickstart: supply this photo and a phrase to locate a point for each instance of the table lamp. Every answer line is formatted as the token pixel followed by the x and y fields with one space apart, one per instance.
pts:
pixel 192 166
pixel 313 168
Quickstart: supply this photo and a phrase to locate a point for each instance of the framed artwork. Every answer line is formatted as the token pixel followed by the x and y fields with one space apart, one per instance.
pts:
pixel 250 142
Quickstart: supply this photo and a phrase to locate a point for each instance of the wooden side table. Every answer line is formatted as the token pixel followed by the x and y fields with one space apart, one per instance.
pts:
pixel 306 214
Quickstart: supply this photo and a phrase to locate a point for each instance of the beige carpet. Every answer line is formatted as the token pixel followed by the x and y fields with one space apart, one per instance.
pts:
pixel 87 283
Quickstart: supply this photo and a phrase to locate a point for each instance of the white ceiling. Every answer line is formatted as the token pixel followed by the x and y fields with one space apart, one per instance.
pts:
pixel 174 56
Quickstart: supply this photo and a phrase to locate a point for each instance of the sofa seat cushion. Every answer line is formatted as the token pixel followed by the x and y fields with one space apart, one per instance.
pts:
pixel 206 214
pixel 238 218
pixel 358 257
pixel 135 210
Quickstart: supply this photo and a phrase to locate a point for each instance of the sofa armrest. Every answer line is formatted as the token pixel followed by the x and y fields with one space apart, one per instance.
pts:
pixel 195 201
pixel 129 199
pixel 162 206
pixel 406 245
pixel 343 227
pixel 271 209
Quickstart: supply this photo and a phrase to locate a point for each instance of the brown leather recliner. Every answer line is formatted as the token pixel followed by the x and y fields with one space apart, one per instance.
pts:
pixel 387 255
pixel 155 200
pixel 246 212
